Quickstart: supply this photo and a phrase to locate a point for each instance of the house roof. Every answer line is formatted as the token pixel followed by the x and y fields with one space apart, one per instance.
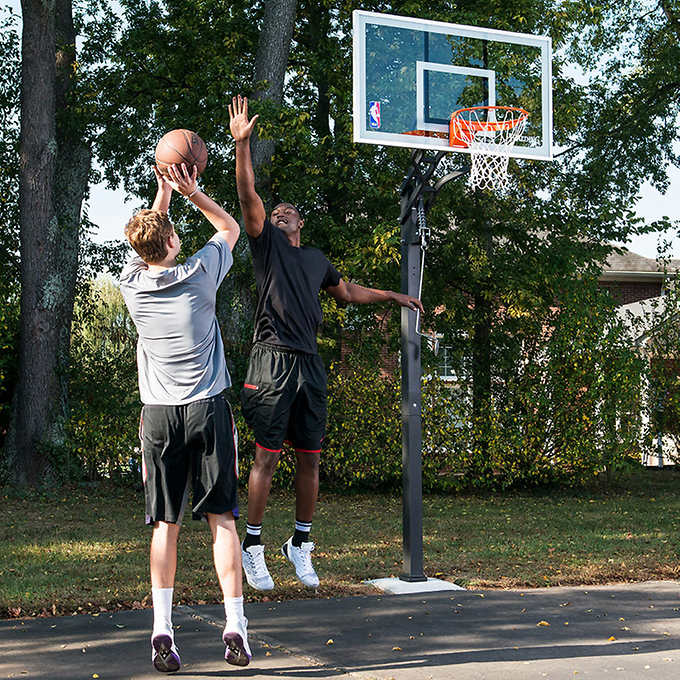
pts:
pixel 628 264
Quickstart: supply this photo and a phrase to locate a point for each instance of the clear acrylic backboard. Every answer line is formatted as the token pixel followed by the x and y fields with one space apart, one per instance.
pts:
pixel 410 75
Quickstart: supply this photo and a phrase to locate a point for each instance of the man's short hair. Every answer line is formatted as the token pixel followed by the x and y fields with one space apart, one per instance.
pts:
pixel 292 205
pixel 148 232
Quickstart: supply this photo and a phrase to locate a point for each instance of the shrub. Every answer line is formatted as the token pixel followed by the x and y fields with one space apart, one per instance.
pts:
pixel 566 409
pixel 9 360
pixel 104 396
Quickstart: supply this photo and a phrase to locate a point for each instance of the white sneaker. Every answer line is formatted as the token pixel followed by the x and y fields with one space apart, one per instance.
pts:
pixel 301 559
pixel 235 638
pixel 255 567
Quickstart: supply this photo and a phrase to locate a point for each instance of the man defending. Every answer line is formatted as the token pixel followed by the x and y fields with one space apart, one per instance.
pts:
pixel 186 428
pixel 284 395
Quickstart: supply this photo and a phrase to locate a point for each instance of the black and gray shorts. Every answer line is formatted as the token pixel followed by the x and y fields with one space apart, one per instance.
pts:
pixel 193 445
pixel 284 398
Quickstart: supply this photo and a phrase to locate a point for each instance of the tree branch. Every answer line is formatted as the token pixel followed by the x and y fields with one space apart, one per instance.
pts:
pixel 671 16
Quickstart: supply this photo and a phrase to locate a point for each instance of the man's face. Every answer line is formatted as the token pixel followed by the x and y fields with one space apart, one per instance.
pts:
pixel 286 217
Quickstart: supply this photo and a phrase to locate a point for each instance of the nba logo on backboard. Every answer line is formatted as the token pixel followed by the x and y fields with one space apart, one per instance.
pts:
pixel 374 115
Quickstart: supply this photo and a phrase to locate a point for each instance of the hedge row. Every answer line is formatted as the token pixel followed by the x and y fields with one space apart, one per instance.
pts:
pixel 571 407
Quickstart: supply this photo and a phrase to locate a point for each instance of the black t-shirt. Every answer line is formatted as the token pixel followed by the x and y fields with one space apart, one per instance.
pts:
pixel 288 283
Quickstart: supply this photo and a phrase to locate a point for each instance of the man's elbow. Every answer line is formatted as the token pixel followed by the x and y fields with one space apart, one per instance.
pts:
pixel 247 196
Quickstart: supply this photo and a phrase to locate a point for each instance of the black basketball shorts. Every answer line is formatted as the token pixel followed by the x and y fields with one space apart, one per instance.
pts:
pixel 284 398
pixel 193 445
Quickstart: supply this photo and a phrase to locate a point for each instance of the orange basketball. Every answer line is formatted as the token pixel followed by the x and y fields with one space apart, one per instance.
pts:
pixel 181 146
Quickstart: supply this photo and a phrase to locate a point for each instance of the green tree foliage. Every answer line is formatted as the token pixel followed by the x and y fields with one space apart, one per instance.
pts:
pixel 572 410
pixel 104 395
pixel 630 52
pixel 658 342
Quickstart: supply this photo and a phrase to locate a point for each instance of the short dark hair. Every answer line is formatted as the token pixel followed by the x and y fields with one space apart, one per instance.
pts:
pixel 292 205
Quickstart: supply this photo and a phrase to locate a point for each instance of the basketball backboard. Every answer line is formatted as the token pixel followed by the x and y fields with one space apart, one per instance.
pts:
pixel 410 75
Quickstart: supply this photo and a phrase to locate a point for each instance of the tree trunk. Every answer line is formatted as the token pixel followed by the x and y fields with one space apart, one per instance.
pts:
pixel 271 61
pixel 53 179
pixel 71 177
pixel 317 40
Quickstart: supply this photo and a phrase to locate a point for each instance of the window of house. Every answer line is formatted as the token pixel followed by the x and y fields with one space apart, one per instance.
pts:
pixel 445 368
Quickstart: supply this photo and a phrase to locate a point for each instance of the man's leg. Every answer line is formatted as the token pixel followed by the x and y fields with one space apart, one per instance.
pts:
pixel 298 547
pixel 163 554
pixel 306 486
pixel 306 431
pixel 259 486
pixel 226 554
pixel 163 565
pixel 260 482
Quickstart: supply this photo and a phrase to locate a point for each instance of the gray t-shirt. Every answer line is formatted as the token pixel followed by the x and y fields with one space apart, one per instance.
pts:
pixel 180 355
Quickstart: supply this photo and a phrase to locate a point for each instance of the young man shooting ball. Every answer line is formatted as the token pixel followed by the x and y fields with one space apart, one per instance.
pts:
pixel 186 428
pixel 284 395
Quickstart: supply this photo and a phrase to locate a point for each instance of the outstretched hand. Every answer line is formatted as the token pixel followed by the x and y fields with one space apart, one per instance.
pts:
pixel 241 128
pixel 408 301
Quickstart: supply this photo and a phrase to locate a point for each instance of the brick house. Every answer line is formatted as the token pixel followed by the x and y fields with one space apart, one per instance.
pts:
pixel 638 284
pixel 631 277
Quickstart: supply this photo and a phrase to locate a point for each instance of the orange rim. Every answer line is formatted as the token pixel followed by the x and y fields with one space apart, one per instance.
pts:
pixel 469 127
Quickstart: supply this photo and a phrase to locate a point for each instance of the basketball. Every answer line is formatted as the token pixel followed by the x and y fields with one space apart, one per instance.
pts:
pixel 181 146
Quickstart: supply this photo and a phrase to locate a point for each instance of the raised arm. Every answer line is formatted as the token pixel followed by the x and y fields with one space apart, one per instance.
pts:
pixel 164 193
pixel 353 292
pixel 184 183
pixel 251 204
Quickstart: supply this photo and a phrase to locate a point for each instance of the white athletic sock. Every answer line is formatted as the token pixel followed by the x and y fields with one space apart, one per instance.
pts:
pixel 162 610
pixel 233 610
pixel 254 529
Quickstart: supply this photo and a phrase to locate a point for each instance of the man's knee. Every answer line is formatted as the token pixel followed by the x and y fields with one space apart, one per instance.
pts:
pixel 167 528
pixel 265 462
pixel 307 462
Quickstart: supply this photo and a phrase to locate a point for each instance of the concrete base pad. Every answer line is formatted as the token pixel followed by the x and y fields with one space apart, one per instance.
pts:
pixel 396 586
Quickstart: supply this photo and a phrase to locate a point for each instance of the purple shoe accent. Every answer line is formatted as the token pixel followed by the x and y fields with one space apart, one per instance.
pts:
pixel 235 653
pixel 165 654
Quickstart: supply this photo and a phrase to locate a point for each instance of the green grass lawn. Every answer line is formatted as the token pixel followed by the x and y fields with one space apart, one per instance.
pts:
pixel 85 549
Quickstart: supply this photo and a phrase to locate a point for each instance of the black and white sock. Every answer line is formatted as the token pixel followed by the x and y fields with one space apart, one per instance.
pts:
pixel 253 532
pixel 301 534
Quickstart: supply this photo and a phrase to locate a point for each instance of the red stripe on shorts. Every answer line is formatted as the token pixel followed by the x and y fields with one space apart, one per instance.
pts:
pixel 250 387
pixel 266 449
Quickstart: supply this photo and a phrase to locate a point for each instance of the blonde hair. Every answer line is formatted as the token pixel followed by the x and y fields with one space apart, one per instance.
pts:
pixel 148 232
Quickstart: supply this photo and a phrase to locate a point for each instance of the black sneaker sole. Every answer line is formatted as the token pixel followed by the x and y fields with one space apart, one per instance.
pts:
pixel 235 653
pixel 165 660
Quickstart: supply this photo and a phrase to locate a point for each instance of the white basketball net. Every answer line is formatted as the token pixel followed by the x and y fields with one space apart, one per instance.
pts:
pixel 489 132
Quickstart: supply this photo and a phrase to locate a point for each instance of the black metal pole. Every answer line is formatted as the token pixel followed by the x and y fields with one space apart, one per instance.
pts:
pixel 412 503
pixel 416 193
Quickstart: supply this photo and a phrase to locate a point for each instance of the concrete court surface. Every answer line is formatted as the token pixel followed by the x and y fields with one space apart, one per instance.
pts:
pixel 627 632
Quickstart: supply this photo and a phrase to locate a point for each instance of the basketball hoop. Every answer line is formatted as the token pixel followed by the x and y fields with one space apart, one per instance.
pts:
pixel 489 132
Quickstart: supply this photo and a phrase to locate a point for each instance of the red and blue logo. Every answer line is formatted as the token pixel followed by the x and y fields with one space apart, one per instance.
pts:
pixel 374 115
